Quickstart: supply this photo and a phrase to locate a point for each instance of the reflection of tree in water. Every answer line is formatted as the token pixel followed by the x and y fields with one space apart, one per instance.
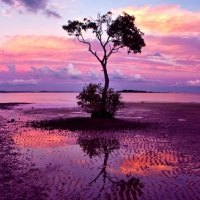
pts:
pixel 112 188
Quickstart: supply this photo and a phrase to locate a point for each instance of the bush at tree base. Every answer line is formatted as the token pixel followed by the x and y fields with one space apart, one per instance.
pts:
pixel 90 100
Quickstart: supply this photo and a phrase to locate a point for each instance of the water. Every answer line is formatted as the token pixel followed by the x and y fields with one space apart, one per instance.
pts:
pixel 154 163
pixel 94 165
pixel 41 99
pixel 69 99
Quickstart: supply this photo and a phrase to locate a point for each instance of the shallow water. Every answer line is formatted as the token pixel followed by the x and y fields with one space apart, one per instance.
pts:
pixel 157 163
pixel 92 165
pixel 55 100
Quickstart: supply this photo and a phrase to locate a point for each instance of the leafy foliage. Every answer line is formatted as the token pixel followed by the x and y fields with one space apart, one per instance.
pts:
pixel 121 32
pixel 90 99
pixel 124 33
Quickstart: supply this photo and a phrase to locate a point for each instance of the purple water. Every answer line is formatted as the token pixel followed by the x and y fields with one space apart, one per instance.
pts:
pixel 69 99
pixel 158 163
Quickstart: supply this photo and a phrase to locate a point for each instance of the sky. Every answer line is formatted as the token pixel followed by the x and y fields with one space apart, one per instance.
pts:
pixel 37 54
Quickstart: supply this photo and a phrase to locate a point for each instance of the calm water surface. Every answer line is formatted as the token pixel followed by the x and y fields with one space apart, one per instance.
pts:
pixel 69 99
pixel 111 165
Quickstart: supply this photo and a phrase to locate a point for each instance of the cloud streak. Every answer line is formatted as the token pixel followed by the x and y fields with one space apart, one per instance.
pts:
pixel 164 57
pixel 19 82
pixel 118 75
pixel 195 83
pixel 60 73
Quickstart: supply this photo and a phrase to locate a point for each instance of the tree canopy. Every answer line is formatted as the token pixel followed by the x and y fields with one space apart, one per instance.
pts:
pixel 120 32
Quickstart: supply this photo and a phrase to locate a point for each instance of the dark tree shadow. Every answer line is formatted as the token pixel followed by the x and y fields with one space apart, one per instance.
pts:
pixel 8 106
pixel 112 187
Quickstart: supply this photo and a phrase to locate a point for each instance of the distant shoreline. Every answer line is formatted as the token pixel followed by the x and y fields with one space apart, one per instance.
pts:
pixel 39 91
pixel 138 91
pixel 121 91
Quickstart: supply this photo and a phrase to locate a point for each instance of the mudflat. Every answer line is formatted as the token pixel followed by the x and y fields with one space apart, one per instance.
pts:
pixel 154 154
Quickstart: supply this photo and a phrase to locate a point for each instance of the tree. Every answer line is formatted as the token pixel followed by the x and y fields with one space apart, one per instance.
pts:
pixel 112 35
pixel 90 100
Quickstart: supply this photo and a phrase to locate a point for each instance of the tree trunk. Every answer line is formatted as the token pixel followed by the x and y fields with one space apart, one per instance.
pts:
pixel 106 155
pixel 105 89
pixel 103 113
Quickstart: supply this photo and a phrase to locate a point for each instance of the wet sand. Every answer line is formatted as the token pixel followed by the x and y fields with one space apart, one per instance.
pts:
pixel 161 162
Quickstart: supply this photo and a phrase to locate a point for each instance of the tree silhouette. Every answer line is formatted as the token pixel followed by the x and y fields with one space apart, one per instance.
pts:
pixel 124 189
pixel 112 35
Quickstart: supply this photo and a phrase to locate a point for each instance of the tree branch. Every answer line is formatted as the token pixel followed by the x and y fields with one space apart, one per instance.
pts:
pixel 113 50
pixel 82 40
pixel 94 180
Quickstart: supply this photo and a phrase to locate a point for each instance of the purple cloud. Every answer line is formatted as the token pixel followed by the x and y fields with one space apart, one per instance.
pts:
pixel 61 73
pixel 117 74
pixel 50 13
pixel 33 6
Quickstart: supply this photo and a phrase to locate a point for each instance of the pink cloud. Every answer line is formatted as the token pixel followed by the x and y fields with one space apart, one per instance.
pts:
pixel 176 46
pixel 26 51
pixel 165 19
pixel 167 58
pixel 32 44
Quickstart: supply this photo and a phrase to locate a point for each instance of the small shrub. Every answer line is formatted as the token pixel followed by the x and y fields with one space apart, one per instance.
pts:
pixel 90 100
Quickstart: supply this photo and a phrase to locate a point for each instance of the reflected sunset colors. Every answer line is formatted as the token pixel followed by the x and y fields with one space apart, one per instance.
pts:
pixel 145 164
pixel 41 139
pixel 100 164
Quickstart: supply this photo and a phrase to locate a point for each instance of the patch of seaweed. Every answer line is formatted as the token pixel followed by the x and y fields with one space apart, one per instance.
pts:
pixel 84 123
pixel 8 106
